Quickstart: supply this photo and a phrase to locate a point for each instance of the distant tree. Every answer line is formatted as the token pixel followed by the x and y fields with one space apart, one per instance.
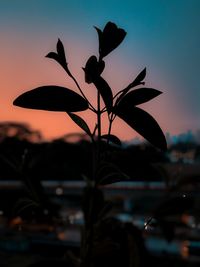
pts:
pixel 20 131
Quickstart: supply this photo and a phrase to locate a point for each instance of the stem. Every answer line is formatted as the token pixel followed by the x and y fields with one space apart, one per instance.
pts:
pixel 122 92
pixel 98 123
pixel 88 238
pixel 89 224
pixel 81 91
pixel 110 127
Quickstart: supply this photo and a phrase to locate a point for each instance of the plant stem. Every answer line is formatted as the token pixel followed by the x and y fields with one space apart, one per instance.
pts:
pixel 110 127
pixel 121 91
pixel 98 125
pixel 81 91
pixel 89 223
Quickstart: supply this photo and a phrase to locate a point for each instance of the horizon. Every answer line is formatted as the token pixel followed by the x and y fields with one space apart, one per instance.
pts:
pixel 184 137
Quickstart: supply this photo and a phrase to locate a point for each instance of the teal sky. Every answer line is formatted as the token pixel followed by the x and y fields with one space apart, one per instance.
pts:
pixel 162 35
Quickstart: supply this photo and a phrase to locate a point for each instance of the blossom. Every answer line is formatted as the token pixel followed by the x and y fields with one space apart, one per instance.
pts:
pixel 110 38
pixel 93 69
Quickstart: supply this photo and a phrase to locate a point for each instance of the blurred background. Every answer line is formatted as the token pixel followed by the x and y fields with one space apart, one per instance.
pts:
pixel 41 185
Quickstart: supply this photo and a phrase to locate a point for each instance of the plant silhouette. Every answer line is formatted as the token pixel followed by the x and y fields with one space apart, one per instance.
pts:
pixel 124 105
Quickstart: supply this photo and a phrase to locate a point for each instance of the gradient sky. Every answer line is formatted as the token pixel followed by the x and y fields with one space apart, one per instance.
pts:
pixel 162 35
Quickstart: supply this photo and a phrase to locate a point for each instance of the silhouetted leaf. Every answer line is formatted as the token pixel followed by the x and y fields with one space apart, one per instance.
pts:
pixel 95 129
pixel 80 122
pixel 60 50
pixel 105 210
pixel 112 138
pixel 93 202
pixel 138 80
pixel 23 204
pixel 76 262
pixel 139 96
pixel 93 69
pixel 89 182
pixel 112 178
pixel 109 173
pixel 60 56
pixel 105 92
pixel 143 123
pixel 52 98
pixel 11 162
pixel 54 56
pixel 110 38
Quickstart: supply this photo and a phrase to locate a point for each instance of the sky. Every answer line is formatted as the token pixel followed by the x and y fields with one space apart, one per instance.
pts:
pixel 162 35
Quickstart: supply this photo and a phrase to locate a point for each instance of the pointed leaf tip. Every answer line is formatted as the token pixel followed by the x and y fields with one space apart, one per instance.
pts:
pixel 139 96
pixel 80 122
pixel 139 79
pixel 60 56
pixel 53 55
pixel 144 124
pixel 59 44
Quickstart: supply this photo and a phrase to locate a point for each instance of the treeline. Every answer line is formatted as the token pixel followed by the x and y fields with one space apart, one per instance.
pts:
pixel 64 160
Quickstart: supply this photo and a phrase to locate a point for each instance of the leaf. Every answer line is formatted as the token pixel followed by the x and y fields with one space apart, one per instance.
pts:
pixel 12 164
pixel 143 123
pixel 109 173
pixel 139 96
pixel 60 56
pixel 93 202
pixel 110 38
pixel 112 138
pixel 138 80
pixel 105 210
pixel 76 262
pixel 87 180
pixel 105 92
pixel 95 129
pixel 53 55
pixel 80 122
pixel 93 69
pixel 24 204
pixel 112 178
pixel 52 98
pixel 60 50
